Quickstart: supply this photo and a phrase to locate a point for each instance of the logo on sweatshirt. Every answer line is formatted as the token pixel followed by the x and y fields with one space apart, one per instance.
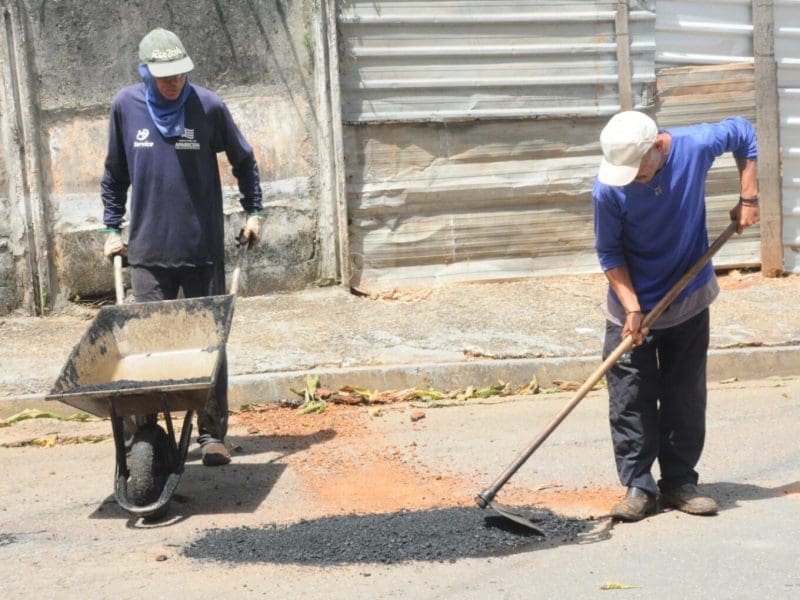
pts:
pixel 187 141
pixel 141 139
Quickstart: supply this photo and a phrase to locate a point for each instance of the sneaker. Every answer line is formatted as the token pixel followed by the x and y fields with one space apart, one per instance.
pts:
pixel 635 506
pixel 687 498
pixel 215 454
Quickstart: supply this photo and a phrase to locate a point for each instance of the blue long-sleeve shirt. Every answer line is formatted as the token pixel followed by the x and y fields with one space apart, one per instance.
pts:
pixel 176 216
pixel 658 230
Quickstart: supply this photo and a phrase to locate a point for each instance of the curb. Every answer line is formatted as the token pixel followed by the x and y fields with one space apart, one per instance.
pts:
pixel 739 363
pixel 749 363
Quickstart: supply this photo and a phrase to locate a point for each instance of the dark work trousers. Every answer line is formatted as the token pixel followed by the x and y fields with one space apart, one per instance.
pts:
pixel 658 404
pixel 153 284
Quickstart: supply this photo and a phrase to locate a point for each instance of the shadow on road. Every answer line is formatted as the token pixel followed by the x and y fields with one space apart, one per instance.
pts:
pixel 728 494
pixel 240 487
pixel 284 445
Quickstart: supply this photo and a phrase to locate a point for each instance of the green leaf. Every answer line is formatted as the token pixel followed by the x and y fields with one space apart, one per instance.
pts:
pixel 492 390
pixel 314 406
pixel 30 413
pixel 83 417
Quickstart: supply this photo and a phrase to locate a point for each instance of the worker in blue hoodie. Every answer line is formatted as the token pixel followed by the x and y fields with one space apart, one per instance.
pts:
pixel 164 136
pixel 650 228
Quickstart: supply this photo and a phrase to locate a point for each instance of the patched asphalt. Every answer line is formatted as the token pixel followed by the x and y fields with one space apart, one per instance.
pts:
pixel 440 535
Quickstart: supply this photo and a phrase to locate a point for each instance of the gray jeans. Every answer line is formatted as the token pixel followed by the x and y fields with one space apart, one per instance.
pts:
pixel 153 284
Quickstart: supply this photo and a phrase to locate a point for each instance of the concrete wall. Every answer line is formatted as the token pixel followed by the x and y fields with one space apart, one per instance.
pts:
pixel 257 54
pixel 8 295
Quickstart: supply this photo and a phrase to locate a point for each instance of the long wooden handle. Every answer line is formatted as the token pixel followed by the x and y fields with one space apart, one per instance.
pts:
pixel 237 269
pixel 118 286
pixel 486 496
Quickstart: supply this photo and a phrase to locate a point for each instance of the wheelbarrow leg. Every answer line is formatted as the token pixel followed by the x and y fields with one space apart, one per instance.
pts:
pixel 118 429
pixel 179 448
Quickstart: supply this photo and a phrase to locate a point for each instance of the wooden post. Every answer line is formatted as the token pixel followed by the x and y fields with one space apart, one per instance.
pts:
pixel 767 122
pixel 623 56
pixel 338 145
pixel 26 189
pixel 328 227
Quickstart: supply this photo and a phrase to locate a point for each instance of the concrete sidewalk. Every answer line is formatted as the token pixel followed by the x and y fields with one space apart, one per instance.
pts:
pixel 447 338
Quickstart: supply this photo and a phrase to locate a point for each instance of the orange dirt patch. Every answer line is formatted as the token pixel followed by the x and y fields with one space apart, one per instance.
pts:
pixel 583 502
pixel 350 468
pixel 385 487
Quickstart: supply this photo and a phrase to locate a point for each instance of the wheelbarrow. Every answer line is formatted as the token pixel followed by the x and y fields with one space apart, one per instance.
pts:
pixel 138 361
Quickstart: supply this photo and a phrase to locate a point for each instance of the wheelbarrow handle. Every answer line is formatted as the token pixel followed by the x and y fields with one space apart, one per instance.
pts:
pixel 489 493
pixel 237 271
pixel 243 244
pixel 118 286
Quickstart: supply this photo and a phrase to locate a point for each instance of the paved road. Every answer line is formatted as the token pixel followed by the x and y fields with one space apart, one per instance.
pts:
pixel 61 535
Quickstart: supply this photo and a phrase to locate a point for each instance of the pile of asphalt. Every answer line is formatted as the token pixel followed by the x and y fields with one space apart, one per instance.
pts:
pixel 430 535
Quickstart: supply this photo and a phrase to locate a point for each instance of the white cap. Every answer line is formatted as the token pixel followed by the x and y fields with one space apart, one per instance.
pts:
pixel 625 139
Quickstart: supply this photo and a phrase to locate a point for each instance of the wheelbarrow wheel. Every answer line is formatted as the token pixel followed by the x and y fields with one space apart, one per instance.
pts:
pixel 149 467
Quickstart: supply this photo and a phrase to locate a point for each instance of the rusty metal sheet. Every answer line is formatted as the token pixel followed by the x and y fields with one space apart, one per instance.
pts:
pixel 435 203
pixel 439 203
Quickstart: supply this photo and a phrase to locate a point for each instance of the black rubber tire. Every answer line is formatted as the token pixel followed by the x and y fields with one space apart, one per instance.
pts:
pixel 149 466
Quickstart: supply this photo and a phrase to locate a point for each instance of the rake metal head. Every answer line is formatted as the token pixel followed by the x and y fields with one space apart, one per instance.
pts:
pixel 508 513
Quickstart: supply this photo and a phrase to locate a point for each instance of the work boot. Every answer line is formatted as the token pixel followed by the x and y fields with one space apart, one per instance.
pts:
pixel 688 499
pixel 215 454
pixel 635 506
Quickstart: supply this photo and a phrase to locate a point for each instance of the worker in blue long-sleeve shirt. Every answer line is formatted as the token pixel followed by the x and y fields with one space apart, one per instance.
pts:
pixel 650 228
pixel 164 136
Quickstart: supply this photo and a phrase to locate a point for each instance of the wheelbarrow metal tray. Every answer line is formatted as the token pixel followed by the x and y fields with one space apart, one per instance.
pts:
pixel 145 356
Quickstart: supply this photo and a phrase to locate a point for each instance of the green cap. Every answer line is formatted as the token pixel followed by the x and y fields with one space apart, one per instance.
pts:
pixel 164 55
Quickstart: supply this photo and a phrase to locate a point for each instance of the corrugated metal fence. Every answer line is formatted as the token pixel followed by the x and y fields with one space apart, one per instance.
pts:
pixel 472 139
pixel 712 32
pixel 473 194
pixel 409 60
pixel 721 31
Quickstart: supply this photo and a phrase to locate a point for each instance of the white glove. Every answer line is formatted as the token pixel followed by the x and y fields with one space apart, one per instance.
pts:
pixel 114 245
pixel 252 228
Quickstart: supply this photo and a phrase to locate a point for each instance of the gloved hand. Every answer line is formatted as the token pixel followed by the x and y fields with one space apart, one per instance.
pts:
pixel 252 228
pixel 114 244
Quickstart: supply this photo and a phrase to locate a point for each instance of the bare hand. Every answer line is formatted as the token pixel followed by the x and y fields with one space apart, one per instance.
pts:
pixel 633 327
pixel 744 216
